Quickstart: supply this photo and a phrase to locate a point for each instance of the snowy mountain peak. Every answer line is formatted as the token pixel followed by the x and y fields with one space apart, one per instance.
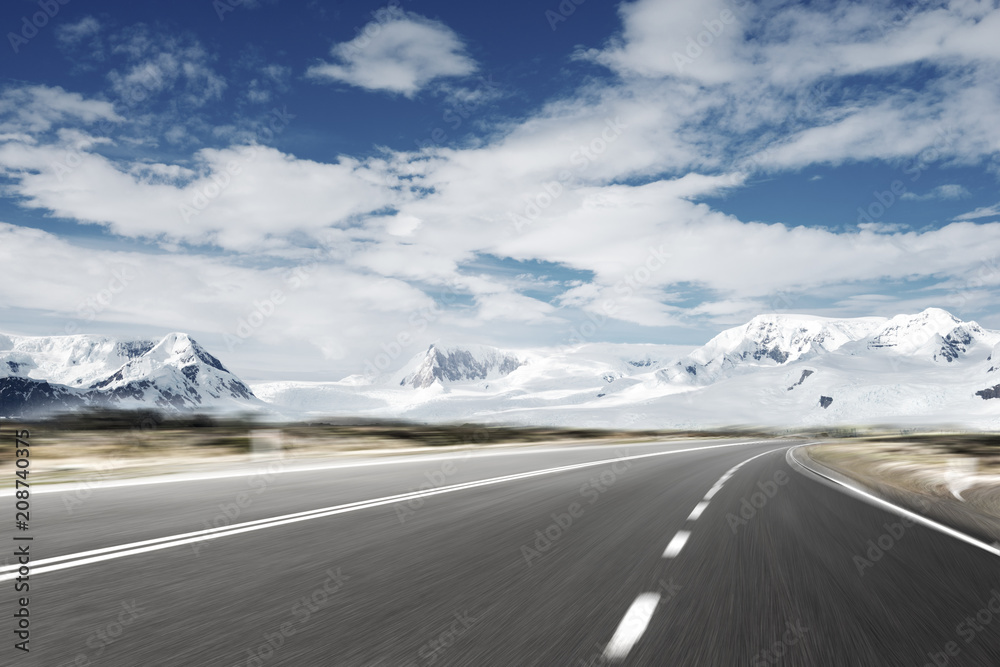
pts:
pixel 768 340
pixel 933 332
pixel 66 372
pixel 445 363
pixel 775 340
pixel 776 369
pixel 913 331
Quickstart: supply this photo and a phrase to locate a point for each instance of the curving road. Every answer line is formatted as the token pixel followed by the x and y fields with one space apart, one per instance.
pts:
pixel 671 553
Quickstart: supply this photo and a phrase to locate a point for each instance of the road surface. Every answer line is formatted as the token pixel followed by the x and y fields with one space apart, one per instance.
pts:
pixel 672 553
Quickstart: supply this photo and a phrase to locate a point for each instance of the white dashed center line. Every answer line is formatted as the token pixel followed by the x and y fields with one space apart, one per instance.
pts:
pixel 676 544
pixel 632 626
pixel 638 616
pixel 698 509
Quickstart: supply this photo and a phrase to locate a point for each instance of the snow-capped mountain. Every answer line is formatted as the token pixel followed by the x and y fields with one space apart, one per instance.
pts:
pixel 776 340
pixel 780 370
pixel 58 373
pixel 767 340
pixel 789 370
pixel 450 363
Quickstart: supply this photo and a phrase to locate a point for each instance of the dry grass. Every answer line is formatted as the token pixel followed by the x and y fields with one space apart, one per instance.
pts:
pixel 962 467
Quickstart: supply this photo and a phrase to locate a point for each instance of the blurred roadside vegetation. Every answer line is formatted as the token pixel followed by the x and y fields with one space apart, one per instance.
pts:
pixel 147 432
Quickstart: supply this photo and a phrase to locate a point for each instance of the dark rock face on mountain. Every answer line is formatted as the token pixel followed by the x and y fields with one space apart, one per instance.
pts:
pixel 805 374
pixel 955 344
pixel 989 392
pixel 22 397
pixel 825 401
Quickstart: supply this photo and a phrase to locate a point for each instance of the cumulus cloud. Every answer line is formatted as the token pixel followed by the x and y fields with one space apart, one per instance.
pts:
pixel 321 307
pixel 241 198
pixel 398 53
pixel 607 183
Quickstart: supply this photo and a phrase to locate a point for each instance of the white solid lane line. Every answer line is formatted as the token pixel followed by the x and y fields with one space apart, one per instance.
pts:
pixel 896 509
pixel 676 544
pixel 632 626
pixel 697 511
pixel 97 555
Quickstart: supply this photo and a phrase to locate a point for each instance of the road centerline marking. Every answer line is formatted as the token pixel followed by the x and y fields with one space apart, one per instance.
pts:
pixel 9 572
pixel 632 626
pixel 697 511
pixel 677 543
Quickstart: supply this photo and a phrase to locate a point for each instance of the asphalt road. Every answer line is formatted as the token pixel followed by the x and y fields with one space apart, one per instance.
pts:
pixel 656 554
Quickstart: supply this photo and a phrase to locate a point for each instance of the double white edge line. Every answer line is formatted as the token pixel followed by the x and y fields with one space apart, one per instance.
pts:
pixel 9 572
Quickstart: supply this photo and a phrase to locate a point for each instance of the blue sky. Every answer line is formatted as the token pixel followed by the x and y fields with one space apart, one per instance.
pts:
pixel 302 185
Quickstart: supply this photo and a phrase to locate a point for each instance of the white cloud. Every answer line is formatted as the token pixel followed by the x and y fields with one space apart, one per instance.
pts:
pixel 71 34
pixel 948 191
pixel 322 307
pixel 793 44
pixel 157 63
pixel 239 198
pixel 603 183
pixel 677 38
pixel 36 109
pixel 398 53
pixel 981 212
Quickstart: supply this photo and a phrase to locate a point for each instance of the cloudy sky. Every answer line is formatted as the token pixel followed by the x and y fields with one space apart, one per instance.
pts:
pixel 302 185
